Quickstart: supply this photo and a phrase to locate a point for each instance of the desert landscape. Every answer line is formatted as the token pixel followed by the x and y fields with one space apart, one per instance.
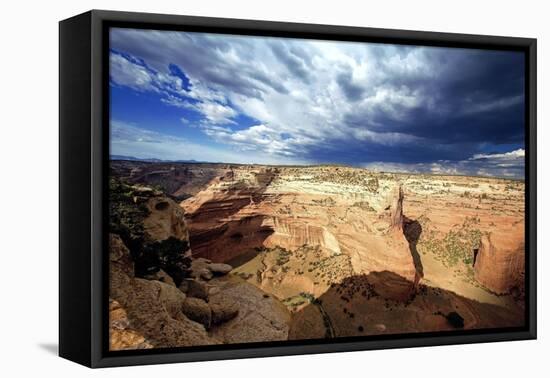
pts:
pixel 208 253
pixel 269 189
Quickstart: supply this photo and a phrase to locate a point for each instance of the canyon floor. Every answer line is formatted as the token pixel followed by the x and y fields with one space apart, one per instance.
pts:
pixel 340 251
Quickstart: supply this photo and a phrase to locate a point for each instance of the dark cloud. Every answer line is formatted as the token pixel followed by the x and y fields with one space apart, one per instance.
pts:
pixel 352 91
pixel 293 59
pixel 325 101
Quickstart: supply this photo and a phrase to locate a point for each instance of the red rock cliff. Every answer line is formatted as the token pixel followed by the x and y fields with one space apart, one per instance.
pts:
pixel 500 263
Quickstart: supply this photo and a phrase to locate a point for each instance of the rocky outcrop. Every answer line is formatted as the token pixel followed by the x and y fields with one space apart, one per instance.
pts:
pixel 153 228
pixel 121 334
pixel 165 219
pixel 198 310
pixel 260 317
pixel 388 248
pixel 152 314
pixel 161 276
pixel 160 296
pixel 500 261
pixel 396 208
pixel 145 314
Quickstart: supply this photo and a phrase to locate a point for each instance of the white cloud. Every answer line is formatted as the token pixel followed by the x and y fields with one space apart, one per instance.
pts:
pixel 269 80
pixel 216 113
pixel 512 155
pixel 131 140
pixel 507 164
pixel 303 94
pixel 123 72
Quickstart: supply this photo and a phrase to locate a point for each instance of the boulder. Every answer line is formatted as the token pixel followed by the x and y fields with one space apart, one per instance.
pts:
pixel 258 318
pixel 154 311
pixel 170 297
pixel 194 288
pixel 161 276
pixel 197 310
pixel 206 274
pixel 219 268
pixel 199 269
pixel 223 311
pixel 144 313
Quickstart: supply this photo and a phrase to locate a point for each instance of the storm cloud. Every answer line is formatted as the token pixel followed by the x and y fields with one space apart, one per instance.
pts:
pixel 400 107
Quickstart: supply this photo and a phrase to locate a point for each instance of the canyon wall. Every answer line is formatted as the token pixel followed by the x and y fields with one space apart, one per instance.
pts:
pixel 500 263
pixel 254 209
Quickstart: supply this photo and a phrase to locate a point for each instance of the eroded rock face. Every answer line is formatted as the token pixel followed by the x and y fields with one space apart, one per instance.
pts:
pixel 396 208
pixel 259 317
pixel 165 219
pixel 228 220
pixel 388 248
pixel 198 310
pixel 121 334
pixel 293 233
pixel 500 263
pixel 151 314
pixel 147 313
pixel 119 255
pixel 153 228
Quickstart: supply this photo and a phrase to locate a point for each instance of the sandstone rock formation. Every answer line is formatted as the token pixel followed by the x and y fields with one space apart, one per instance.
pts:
pixel 161 276
pixel 324 243
pixel 179 306
pixel 260 317
pixel 198 310
pixel 229 219
pixel 398 257
pixel 145 313
pixel 121 335
pixel 165 219
pixel 500 262
pixel 219 269
pixel 396 208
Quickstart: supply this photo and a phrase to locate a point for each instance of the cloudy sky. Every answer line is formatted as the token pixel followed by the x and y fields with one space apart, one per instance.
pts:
pixel 242 99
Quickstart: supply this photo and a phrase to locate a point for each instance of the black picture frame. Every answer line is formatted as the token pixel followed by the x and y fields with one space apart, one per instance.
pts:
pixel 83 167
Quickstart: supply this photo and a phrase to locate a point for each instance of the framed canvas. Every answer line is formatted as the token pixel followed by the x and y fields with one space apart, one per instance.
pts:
pixel 235 188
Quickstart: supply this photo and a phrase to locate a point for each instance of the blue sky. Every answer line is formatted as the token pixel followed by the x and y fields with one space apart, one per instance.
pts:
pixel 242 99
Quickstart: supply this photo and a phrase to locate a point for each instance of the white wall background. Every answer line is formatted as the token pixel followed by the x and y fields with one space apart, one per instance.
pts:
pixel 29 185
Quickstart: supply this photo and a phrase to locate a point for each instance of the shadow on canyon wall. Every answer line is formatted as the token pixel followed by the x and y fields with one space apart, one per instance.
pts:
pixel 412 229
pixel 380 303
pixel 217 232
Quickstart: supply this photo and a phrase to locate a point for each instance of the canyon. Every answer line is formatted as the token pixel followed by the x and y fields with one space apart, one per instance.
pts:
pixel 314 252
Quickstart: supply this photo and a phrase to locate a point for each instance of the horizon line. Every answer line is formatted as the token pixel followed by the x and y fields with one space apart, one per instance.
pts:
pixel 194 161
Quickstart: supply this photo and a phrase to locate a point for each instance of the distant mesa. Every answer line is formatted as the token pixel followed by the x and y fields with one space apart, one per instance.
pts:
pixel 150 160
